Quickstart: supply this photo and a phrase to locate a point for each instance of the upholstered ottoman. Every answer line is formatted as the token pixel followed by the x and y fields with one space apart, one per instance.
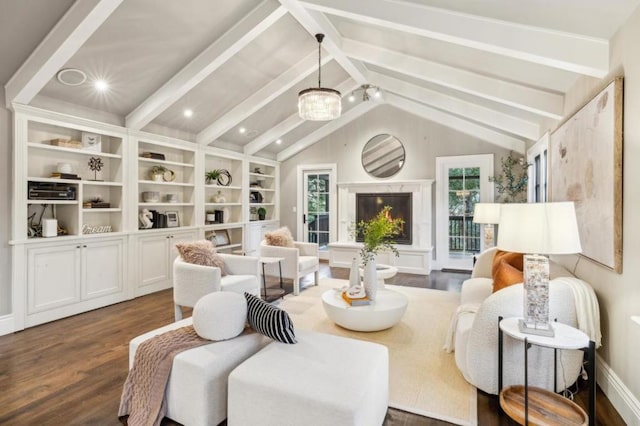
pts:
pixel 321 380
pixel 197 388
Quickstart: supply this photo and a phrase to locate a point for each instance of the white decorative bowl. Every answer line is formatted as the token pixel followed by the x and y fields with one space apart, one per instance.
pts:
pixel 150 196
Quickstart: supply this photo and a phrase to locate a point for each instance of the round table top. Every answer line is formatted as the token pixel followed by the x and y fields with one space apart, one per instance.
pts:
pixel 385 300
pixel 565 337
pixel 268 260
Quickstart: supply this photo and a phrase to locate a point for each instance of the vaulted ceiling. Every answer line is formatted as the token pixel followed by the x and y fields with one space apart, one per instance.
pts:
pixel 494 69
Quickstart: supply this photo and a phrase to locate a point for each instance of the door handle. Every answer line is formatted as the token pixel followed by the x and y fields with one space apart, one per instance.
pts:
pixel 304 218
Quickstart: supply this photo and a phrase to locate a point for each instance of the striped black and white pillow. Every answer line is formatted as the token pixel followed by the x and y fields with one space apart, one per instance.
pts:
pixel 269 320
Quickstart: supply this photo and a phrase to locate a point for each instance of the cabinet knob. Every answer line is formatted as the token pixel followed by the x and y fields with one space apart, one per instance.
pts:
pixel 77 246
pixel 85 246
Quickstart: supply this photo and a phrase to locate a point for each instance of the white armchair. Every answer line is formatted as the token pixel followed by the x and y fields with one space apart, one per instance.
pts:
pixel 298 261
pixel 191 282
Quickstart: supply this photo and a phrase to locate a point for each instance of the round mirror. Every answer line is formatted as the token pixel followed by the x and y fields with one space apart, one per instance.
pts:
pixel 383 156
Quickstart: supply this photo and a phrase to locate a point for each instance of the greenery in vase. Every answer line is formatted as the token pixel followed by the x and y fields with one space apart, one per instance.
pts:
pixel 378 234
pixel 212 176
pixel 158 170
pixel 512 182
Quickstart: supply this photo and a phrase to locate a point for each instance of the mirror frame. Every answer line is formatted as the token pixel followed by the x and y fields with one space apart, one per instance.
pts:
pixel 384 144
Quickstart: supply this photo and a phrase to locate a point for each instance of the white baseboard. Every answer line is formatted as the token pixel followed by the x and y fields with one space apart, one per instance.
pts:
pixel 7 325
pixel 618 393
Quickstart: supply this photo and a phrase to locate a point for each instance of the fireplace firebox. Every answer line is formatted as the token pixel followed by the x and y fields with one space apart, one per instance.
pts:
pixel 368 205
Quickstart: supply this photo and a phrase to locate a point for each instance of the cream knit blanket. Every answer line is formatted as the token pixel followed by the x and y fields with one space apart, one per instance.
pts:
pixel 143 393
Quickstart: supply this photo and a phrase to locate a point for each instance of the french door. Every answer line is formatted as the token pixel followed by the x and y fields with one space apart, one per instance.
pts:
pixel 462 181
pixel 317 200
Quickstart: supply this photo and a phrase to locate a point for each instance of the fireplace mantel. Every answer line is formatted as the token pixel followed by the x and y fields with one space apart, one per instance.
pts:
pixel 422 223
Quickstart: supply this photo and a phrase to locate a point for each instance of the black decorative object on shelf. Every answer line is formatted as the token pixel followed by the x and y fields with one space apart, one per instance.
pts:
pixel 95 164
pixel 224 178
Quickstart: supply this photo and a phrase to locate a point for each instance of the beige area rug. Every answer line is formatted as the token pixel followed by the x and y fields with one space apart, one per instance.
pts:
pixel 423 378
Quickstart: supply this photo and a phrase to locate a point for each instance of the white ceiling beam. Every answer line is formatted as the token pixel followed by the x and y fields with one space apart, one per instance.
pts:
pixel 314 23
pixel 290 123
pixel 62 42
pixel 456 123
pixel 327 129
pixel 213 57
pixel 570 52
pixel 468 110
pixel 262 97
pixel 537 101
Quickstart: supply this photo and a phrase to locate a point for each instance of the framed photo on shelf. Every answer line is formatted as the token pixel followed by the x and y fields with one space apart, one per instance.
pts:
pixel 222 238
pixel 173 221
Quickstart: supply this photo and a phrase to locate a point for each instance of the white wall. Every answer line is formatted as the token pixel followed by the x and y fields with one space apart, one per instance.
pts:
pixel 619 294
pixel 6 170
pixel 423 141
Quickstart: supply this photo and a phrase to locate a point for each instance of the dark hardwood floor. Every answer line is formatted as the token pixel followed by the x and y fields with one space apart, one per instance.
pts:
pixel 71 371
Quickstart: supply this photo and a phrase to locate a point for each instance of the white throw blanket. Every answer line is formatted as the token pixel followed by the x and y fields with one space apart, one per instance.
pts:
pixel 587 308
pixel 471 308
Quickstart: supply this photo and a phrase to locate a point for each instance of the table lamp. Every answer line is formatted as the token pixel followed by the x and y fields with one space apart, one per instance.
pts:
pixel 487 214
pixel 538 229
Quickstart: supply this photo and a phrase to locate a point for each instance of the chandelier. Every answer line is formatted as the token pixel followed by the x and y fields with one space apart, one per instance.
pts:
pixel 366 90
pixel 319 103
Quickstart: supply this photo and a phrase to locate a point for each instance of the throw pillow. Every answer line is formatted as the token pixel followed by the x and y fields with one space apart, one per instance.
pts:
pixel 201 253
pixel 269 320
pixel 280 237
pixel 506 275
pixel 220 315
pixel 514 259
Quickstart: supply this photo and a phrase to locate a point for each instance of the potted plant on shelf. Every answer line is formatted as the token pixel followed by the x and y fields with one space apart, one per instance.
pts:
pixel 211 177
pixel 262 213
pixel 378 234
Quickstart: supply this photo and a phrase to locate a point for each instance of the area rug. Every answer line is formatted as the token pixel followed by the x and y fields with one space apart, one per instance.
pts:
pixel 423 378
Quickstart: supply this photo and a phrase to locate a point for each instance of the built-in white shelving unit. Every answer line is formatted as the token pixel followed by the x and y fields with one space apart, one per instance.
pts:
pixel 87 265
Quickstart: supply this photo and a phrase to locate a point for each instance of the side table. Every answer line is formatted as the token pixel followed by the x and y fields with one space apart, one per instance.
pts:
pixel 524 404
pixel 272 293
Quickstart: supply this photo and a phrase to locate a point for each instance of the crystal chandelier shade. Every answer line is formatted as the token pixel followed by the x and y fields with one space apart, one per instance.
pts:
pixel 320 103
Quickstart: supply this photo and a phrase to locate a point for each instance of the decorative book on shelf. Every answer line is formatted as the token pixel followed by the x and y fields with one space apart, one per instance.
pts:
pixel 59 175
pixel 92 205
pixel 360 301
pixel 153 155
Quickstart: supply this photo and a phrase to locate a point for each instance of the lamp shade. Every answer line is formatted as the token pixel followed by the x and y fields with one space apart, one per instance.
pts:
pixel 488 213
pixel 540 228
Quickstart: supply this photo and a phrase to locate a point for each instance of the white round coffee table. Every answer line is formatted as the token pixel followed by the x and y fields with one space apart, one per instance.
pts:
pixel 385 312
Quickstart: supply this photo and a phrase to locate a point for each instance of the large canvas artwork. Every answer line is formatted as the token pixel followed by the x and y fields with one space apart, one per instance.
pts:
pixel 585 155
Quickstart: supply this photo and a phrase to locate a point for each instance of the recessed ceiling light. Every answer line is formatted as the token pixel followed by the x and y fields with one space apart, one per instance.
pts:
pixel 352 98
pixel 101 85
pixel 188 113
pixel 242 130
pixel 71 76
pixel 279 141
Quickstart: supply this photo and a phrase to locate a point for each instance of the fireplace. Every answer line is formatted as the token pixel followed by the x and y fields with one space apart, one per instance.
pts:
pixel 368 205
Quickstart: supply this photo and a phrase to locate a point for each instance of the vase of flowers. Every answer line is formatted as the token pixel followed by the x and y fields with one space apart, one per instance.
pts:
pixel 378 234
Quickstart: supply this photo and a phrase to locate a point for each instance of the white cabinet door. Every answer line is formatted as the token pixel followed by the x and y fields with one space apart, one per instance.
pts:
pixel 103 268
pixel 53 277
pixel 255 234
pixel 156 254
pixel 152 260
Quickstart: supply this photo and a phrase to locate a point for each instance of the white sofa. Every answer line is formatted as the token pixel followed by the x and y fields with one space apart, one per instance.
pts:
pixel 191 282
pixel 298 261
pixel 476 331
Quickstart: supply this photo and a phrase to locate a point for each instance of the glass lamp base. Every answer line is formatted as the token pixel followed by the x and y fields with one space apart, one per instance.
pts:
pixel 526 329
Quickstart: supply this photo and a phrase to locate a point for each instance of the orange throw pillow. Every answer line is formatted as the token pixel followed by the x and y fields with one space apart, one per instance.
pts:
pixel 514 259
pixel 506 275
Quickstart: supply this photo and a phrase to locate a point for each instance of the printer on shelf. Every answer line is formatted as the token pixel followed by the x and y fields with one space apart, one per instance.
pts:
pixel 51 191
